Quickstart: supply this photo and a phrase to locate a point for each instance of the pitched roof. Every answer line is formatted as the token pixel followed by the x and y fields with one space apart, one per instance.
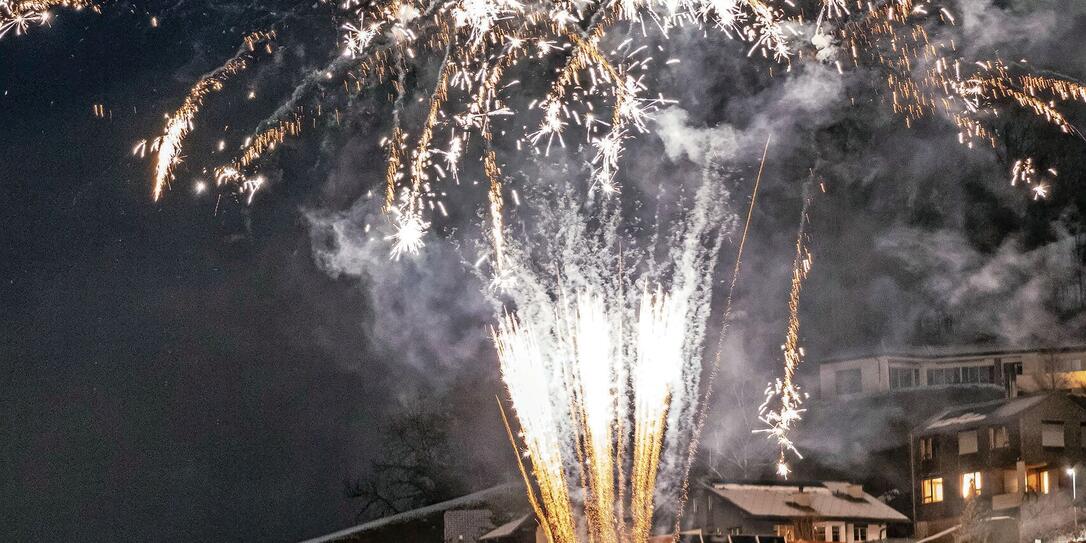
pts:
pixel 507 529
pixel 828 500
pixel 965 416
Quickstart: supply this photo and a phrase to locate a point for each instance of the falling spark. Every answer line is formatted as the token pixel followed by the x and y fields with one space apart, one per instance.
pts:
pixel 782 408
pixel 178 125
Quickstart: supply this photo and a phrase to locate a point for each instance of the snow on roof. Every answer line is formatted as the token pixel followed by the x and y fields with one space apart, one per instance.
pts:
pixel 507 529
pixel 470 499
pixel 971 414
pixel 828 500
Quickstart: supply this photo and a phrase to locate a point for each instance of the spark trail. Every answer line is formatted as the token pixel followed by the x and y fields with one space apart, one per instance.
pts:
pixel 782 408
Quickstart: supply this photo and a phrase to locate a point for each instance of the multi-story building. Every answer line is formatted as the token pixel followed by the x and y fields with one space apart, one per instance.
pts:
pixel 1015 370
pixel 1003 452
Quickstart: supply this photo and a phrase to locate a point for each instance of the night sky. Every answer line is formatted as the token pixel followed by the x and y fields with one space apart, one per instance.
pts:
pixel 181 371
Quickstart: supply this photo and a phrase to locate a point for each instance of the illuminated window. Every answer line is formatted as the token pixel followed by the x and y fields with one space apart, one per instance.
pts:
pixel 997 437
pixel 971 484
pixel 1038 482
pixel 927 448
pixel 932 490
pixel 967 442
pixel 1052 434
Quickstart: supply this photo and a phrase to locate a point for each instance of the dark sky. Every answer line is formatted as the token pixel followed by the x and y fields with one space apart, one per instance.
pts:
pixel 173 371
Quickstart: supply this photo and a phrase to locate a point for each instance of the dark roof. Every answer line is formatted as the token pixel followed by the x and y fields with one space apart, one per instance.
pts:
pixel 943 351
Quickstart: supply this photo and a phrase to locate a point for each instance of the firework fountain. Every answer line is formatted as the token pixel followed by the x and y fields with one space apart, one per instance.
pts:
pixel 603 368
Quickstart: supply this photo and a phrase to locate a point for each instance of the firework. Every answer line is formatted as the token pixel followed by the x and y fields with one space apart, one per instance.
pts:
pixel 178 125
pixel 17 16
pixel 602 368
pixel 927 76
pixel 782 408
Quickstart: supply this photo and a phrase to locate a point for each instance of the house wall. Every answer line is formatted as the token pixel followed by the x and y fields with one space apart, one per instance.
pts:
pixel 998 467
pixel 875 532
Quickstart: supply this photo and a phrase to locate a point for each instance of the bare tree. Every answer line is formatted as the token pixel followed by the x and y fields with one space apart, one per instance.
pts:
pixel 1053 376
pixel 412 468
pixel 975 527
pixel 735 451
pixel 1046 516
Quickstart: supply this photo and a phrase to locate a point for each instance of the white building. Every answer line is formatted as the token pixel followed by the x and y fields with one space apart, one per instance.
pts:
pixel 1015 370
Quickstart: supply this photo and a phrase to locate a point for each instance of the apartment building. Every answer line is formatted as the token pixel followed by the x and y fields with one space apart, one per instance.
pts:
pixel 1003 452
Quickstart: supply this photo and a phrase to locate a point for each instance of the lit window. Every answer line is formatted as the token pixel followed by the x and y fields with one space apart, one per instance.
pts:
pixel 932 490
pixel 859 533
pixel 1038 482
pixel 967 442
pixel 997 437
pixel 1052 434
pixel 971 484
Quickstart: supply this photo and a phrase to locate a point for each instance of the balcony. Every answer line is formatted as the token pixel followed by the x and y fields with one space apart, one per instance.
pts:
pixel 1006 501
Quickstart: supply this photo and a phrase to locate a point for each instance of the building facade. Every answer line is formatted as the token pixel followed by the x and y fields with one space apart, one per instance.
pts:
pixel 809 511
pixel 1016 371
pixel 1003 453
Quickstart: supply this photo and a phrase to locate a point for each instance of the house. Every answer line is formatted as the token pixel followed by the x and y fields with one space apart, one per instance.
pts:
pixel 814 510
pixel 1004 452
pixel 1014 370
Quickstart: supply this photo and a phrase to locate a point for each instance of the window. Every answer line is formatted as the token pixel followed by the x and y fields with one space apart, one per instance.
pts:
pixel 977 374
pixel 997 437
pixel 904 378
pixel 967 442
pixel 971 484
pixel 944 376
pixel 927 448
pixel 1037 481
pixel 932 490
pixel 859 533
pixel 849 381
pixel 820 533
pixel 1051 433
pixel 835 533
